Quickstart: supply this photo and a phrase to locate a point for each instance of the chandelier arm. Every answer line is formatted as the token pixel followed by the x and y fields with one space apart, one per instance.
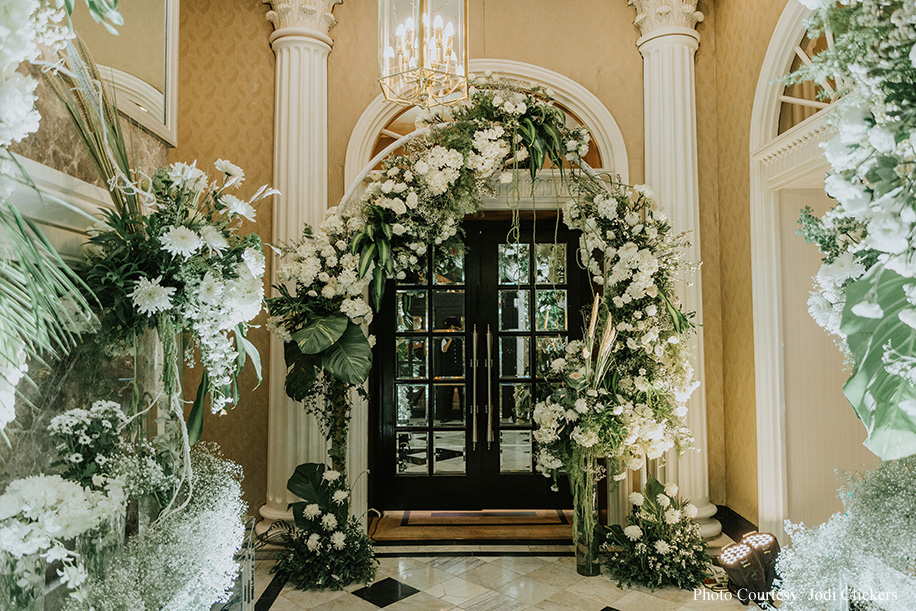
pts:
pixel 351 190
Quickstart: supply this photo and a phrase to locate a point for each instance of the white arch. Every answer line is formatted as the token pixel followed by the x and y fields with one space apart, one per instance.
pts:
pixel 772 482
pixel 583 103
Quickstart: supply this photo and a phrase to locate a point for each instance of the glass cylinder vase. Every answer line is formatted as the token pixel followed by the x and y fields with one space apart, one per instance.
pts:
pixel 583 480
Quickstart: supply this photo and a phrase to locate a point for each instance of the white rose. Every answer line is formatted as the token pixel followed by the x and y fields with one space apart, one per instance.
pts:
pixel 398 229
pixel 882 139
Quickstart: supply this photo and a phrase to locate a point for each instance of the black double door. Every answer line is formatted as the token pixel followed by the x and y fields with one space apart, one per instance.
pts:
pixel 463 355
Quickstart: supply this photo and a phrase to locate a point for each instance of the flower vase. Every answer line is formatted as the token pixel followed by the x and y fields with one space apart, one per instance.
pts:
pixel 583 475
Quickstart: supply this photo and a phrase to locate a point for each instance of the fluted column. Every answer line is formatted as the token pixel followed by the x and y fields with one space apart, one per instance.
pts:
pixel 301 44
pixel 668 45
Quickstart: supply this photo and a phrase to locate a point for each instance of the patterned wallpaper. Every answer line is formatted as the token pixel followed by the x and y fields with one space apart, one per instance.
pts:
pixel 743 32
pixel 225 102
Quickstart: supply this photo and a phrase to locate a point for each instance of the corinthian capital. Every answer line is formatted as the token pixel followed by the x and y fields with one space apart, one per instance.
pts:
pixel 654 14
pixel 314 14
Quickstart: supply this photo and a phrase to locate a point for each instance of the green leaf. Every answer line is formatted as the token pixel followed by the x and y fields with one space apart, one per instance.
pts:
pixel 196 417
pixel 350 359
pixel 356 241
pixel 384 255
pixel 366 257
pixel 378 286
pixel 874 393
pixel 307 482
pixel 320 333
pixel 246 348
pixel 301 371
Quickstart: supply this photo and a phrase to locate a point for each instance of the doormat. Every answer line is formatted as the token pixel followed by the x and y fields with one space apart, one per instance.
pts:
pixel 531 527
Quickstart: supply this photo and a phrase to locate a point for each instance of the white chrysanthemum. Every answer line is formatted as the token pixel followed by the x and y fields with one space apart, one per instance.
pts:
pixel 238 207
pixel 637 499
pixel 671 489
pixel 340 496
pixel 150 297
pixel 662 547
pixel 690 510
pixel 329 521
pixel 210 290
pixel 663 500
pixel 234 174
pixel 314 542
pixel 338 540
pixel 254 260
pixel 331 475
pixel 633 532
pixel 213 238
pixel 180 241
pixel 672 516
pixel 311 511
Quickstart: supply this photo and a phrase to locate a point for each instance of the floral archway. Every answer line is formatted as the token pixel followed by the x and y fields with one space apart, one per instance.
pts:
pixel 620 394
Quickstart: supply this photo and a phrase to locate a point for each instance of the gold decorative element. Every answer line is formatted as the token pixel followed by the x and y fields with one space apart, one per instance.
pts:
pixel 315 14
pixel 655 14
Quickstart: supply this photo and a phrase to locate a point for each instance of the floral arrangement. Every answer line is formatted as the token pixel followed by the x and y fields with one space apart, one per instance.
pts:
pixel 185 267
pixel 326 548
pixel 87 439
pixel 38 515
pixel 626 385
pixel 863 552
pixel 661 545
pixel 184 561
pixel 865 291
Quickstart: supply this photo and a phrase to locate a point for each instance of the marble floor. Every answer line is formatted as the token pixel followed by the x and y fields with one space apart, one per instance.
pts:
pixel 475 582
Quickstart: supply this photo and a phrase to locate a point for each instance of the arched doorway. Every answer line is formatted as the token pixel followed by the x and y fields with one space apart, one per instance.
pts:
pixel 379 125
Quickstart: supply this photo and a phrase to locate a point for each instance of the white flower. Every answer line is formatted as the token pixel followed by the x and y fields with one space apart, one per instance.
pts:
pixel 882 139
pixel 506 178
pixel 663 500
pixel 188 176
pixel 637 499
pixel 254 261
pixel 398 229
pixel 672 516
pixel 314 542
pixel 234 174
pixel 340 496
pixel 662 547
pixel 329 521
pixel 75 458
pixel 855 197
pixel 311 511
pixel 867 309
pixel 213 238
pixel 690 510
pixel 908 316
pixel 180 241
pixel 238 207
pixel 671 489
pixel 149 297
pixel 633 532
pixel 210 290
pixel 331 475
pixel 338 540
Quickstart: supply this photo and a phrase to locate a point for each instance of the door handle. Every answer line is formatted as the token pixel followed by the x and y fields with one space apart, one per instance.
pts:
pixel 474 389
pixel 489 387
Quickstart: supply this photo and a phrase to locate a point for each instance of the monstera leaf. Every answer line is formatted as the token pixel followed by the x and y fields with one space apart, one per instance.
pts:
pixel 307 482
pixel 350 359
pixel 320 334
pixel 301 373
pixel 883 401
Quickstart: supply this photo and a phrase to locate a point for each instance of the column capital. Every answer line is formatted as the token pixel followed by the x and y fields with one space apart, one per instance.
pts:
pixel 315 15
pixel 653 15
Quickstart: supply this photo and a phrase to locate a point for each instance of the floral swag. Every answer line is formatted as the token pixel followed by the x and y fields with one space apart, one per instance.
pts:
pixel 415 203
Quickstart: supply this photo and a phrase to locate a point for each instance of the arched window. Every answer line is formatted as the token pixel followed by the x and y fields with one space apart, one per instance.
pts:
pixel 801 101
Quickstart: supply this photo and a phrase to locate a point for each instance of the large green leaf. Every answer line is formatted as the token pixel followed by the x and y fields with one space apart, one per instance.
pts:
pixel 301 372
pixel 350 359
pixel 307 482
pixel 320 333
pixel 874 393
pixel 196 417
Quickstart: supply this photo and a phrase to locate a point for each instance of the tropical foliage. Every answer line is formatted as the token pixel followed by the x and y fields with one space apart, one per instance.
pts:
pixel 866 289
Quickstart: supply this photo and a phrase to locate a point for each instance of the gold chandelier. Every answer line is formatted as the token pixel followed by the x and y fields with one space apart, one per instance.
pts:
pixel 423 46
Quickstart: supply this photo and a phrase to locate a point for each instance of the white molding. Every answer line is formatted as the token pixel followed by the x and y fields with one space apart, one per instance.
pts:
pixel 776 162
pixel 154 110
pixel 605 132
pixel 65 228
pixel 652 15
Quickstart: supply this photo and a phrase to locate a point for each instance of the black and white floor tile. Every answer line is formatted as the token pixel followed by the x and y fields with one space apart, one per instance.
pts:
pixel 475 582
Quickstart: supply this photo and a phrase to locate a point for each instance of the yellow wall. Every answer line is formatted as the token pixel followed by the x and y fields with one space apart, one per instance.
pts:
pixel 225 110
pixel 744 29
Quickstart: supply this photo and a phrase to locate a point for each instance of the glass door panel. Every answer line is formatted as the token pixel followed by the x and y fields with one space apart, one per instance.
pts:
pixel 454 427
